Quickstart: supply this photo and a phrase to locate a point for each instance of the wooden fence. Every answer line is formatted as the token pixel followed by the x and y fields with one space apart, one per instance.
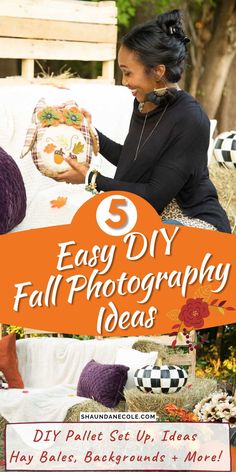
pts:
pixel 58 29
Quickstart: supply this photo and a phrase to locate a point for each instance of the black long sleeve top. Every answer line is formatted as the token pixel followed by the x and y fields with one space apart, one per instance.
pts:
pixel 171 161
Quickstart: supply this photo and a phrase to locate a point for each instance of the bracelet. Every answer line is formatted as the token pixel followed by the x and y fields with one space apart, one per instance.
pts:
pixel 92 186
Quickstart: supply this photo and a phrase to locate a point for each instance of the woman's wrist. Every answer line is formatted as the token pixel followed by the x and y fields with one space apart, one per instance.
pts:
pixel 90 181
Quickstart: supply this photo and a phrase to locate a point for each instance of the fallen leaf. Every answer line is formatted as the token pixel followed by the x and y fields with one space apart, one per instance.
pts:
pixel 59 202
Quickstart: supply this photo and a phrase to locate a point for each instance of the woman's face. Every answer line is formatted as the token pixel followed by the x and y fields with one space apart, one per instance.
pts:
pixel 134 75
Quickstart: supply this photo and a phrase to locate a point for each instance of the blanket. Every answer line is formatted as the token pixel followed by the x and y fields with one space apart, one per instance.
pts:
pixel 35 405
pixel 47 362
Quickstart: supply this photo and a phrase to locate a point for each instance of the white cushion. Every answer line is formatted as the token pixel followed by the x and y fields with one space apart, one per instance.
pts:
pixel 134 360
pixel 213 124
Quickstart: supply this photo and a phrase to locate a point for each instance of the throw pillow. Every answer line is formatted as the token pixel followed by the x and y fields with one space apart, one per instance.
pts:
pixel 103 382
pixel 58 132
pixel 3 382
pixel 9 362
pixel 134 360
pixel 12 194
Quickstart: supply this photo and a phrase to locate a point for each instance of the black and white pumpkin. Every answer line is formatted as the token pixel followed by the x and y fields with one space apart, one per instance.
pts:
pixel 225 149
pixel 163 379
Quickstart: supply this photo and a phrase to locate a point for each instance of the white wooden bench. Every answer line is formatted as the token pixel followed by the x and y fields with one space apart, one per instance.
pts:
pixel 59 29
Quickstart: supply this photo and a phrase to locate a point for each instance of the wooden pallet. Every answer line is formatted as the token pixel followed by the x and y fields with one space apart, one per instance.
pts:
pixel 58 29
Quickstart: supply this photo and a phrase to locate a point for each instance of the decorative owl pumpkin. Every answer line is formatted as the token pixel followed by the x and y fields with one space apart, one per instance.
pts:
pixel 58 132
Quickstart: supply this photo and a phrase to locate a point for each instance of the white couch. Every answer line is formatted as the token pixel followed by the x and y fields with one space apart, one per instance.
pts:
pixel 111 108
pixel 50 369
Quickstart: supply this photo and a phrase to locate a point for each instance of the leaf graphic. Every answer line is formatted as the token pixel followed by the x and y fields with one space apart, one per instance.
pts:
pixel 176 326
pixel 59 202
pixel 230 308
pixel 214 301
pixel 174 333
pixel 222 303
pixel 180 336
pixel 174 343
pixel 221 310
pixel 78 148
pixel 63 142
pixel 203 292
pixel 173 315
pixel 49 148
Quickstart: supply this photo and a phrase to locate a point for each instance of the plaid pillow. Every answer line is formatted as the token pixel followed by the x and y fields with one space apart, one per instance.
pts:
pixel 3 382
pixel 58 132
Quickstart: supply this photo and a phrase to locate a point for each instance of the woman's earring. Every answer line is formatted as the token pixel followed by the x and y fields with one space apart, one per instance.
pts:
pixel 162 96
pixel 160 92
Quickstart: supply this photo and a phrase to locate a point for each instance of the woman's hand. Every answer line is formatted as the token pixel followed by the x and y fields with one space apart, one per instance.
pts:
pixel 75 175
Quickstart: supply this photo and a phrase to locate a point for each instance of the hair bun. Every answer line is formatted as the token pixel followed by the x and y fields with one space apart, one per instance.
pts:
pixel 171 24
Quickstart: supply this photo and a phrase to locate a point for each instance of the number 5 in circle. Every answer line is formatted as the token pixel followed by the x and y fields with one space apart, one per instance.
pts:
pixel 116 215
pixel 115 210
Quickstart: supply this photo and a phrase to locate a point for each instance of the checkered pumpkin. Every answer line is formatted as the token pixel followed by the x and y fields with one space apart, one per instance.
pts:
pixel 3 382
pixel 58 132
pixel 164 379
pixel 225 149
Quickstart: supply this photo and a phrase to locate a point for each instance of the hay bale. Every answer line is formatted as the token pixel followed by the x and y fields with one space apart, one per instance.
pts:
pixel 187 397
pixel 225 182
pixel 73 414
pixel 166 354
pixel 3 423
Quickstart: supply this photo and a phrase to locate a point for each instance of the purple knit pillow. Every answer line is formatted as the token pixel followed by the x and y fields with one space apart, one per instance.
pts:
pixel 103 382
pixel 12 193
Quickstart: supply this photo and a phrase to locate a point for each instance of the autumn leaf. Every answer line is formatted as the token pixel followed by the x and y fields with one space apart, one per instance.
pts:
pixel 49 148
pixel 221 310
pixel 180 337
pixel 78 148
pixel 214 301
pixel 222 303
pixel 174 343
pixel 59 202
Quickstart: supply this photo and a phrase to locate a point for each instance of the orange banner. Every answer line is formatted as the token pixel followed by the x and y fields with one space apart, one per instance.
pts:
pixel 117 270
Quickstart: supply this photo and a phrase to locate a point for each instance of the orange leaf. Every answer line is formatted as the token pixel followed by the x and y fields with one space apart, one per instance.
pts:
pixel 59 202
pixel 49 148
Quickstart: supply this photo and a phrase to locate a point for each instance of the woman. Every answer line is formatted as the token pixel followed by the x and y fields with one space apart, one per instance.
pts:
pixel 164 157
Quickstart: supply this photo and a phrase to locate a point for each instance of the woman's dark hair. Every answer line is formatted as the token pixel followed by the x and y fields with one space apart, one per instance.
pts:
pixel 160 41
